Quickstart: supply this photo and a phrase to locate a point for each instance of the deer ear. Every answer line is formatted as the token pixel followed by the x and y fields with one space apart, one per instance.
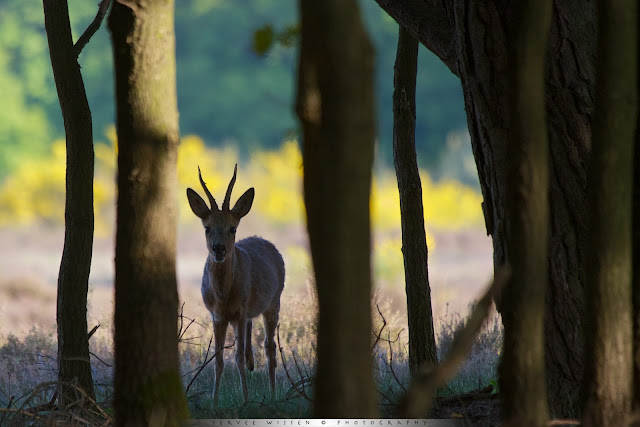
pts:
pixel 243 205
pixel 198 206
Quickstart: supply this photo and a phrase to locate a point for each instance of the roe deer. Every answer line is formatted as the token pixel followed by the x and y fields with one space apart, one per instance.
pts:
pixel 241 280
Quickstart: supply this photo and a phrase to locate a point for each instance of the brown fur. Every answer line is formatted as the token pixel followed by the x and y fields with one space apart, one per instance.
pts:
pixel 240 281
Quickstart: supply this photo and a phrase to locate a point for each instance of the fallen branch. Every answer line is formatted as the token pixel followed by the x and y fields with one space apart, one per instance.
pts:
pixel 419 397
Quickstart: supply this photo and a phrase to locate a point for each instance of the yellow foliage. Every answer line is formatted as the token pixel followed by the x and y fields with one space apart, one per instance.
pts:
pixel 35 191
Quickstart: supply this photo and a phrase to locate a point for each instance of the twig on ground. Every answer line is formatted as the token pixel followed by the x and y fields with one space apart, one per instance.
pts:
pixel 286 371
pixel 419 397
pixel 302 376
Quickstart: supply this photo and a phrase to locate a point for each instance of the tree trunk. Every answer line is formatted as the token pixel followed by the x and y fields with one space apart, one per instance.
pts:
pixel 522 385
pixel 471 38
pixel 635 243
pixel 73 279
pixel 609 332
pixel 335 104
pixel 422 343
pixel 148 389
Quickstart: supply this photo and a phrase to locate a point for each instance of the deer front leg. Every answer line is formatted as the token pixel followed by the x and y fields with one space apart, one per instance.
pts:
pixel 240 327
pixel 220 334
pixel 248 350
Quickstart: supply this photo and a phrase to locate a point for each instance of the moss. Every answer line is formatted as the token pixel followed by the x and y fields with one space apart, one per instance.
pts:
pixel 163 398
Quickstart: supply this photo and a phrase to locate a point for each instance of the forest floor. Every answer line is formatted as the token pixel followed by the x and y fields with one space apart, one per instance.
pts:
pixel 460 265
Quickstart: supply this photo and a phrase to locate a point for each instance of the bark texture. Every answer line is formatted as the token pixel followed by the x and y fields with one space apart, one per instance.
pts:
pixel 148 389
pixel 471 37
pixel 636 244
pixel 335 105
pixel 422 343
pixel 73 279
pixel 609 332
pixel 522 385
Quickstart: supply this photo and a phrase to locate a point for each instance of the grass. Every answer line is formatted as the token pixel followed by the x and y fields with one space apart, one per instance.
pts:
pixel 28 363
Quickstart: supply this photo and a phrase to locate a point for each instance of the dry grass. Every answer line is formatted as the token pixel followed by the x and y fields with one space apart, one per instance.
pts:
pixel 28 365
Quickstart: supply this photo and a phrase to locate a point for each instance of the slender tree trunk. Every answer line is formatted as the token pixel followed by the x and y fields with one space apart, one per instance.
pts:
pixel 609 358
pixel 148 389
pixel 73 279
pixel 522 385
pixel 422 343
pixel 335 104
pixel 635 244
pixel 471 38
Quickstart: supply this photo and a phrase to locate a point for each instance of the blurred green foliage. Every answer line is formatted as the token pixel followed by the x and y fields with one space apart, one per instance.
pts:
pixel 236 67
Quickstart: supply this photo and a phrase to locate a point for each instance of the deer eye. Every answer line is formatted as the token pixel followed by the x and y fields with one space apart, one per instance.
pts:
pixel 207 229
pixel 232 230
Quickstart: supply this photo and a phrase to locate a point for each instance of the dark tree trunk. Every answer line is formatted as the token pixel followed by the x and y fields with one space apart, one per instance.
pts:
pixel 636 247
pixel 471 38
pixel 422 343
pixel 609 332
pixel 73 280
pixel 335 104
pixel 148 389
pixel 522 385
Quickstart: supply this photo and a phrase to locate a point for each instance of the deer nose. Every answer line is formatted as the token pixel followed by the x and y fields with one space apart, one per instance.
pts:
pixel 219 250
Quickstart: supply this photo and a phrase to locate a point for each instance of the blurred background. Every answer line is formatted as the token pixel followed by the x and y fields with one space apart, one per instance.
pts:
pixel 235 100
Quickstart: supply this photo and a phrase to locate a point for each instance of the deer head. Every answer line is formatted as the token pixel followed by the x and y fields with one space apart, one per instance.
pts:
pixel 220 224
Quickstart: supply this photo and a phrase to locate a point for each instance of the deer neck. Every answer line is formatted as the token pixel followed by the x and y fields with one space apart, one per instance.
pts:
pixel 221 276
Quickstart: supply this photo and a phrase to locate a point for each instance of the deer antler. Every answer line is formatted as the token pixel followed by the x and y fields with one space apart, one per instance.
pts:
pixel 227 197
pixel 212 201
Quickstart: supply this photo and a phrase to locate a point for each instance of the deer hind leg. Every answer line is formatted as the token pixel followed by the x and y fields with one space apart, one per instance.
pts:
pixel 248 350
pixel 220 333
pixel 240 328
pixel 270 324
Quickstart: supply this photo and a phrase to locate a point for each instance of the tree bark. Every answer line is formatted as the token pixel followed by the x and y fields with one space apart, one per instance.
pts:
pixel 609 332
pixel 471 37
pixel 635 244
pixel 335 105
pixel 422 343
pixel 148 389
pixel 522 385
pixel 73 279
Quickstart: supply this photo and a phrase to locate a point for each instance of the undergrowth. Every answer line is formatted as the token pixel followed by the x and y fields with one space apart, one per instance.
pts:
pixel 28 367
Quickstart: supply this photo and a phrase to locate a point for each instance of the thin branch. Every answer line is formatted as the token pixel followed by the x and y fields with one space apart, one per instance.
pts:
pixel 393 372
pixel 92 331
pixel 379 334
pixel 103 7
pixel 100 360
pixel 418 398
pixel 207 361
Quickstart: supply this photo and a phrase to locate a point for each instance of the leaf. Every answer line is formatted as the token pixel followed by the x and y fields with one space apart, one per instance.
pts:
pixel 263 40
